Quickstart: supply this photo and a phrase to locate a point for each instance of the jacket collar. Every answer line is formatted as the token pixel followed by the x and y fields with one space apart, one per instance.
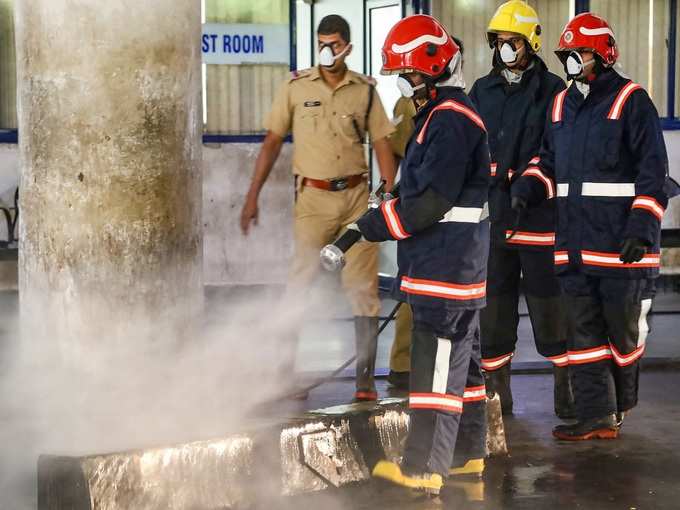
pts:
pixel 443 93
pixel 496 78
pixel 603 86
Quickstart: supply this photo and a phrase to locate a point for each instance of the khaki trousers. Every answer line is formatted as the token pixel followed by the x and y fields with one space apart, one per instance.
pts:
pixel 400 355
pixel 320 217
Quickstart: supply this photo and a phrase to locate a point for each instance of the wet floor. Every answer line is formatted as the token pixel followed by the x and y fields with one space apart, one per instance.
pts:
pixel 640 470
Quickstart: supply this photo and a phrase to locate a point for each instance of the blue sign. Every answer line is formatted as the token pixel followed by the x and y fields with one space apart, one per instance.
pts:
pixel 245 44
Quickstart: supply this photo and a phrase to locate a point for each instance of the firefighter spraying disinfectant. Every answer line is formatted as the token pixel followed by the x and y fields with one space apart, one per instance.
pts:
pixel 440 221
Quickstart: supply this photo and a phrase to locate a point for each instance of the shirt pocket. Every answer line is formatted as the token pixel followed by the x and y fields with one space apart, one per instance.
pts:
pixel 307 122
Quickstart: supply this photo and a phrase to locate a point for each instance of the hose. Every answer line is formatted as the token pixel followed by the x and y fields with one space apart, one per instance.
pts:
pixel 337 371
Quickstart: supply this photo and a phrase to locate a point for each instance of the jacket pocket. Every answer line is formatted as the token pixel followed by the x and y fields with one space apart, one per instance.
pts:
pixel 607 145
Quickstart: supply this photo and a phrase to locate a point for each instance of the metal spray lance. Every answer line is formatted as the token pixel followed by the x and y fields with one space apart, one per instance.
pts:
pixel 333 255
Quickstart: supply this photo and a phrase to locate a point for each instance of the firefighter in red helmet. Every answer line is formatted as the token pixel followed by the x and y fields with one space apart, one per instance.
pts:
pixel 603 161
pixel 440 221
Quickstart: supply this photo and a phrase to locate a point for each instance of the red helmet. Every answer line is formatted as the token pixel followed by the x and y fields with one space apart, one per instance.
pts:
pixel 418 43
pixel 588 32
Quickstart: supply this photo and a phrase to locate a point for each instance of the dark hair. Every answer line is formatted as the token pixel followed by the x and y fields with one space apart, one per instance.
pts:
pixel 334 24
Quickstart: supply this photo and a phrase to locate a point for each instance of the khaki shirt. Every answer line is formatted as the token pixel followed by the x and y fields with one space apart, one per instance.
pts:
pixel 404 112
pixel 326 143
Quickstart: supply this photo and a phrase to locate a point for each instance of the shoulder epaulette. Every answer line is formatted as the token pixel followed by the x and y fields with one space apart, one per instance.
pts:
pixel 298 73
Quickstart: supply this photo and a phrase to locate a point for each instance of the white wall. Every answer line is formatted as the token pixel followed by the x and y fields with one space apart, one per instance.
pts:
pixel 263 256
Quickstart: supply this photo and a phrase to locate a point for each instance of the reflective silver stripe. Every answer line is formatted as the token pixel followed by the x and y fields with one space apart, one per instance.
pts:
pixel 602 189
pixel 466 214
pixel 643 326
pixel 562 189
pixel 440 378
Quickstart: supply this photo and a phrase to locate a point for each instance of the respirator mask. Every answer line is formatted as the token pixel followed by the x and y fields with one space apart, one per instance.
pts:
pixel 326 56
pixel 574 65
pixel 508 53
pixel 406 86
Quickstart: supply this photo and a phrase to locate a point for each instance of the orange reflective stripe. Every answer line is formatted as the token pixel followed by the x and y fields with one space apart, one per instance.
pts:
pixel 534 171
pixel 621 98
pixel 561 360
pixel 446 290
pixel 450 104
pixel 623 360
pixel 649 204
pixel 558 106
pixel 491 364
pixel 474 393
pixel 592 355
pixel 439 401
pixel 561 257
pixel 531 238
pixel 605 259
pixel 392 220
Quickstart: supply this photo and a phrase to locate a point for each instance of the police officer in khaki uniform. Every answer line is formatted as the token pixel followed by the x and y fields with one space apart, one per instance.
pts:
pixel 330 110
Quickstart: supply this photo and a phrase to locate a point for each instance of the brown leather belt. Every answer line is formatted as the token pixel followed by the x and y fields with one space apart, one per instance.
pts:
pixel 335 184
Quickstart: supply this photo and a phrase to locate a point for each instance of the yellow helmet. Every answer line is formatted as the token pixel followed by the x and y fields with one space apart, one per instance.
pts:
pixel 518 17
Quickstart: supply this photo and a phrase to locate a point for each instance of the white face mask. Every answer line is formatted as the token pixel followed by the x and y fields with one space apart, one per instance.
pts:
pixel 327 58
pixel 508 54
pixel 406 88
pixel 575 65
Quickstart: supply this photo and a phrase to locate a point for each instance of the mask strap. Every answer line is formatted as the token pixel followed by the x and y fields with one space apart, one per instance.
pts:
pixel 343 52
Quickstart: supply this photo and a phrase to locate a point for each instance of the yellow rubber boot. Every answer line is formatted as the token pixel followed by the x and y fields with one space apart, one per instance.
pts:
pixel 473 467
pixel 430 483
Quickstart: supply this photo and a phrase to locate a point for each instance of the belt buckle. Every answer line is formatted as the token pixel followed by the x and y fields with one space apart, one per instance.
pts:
pixel 339 184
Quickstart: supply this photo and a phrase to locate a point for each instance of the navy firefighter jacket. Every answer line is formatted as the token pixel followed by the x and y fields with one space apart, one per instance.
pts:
pixel 514 115
pixel 603 161
pixel 442 261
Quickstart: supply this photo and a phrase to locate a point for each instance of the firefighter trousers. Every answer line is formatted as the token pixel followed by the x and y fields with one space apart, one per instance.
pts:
pixel 533 270
pixel 446 379
pixel 608 329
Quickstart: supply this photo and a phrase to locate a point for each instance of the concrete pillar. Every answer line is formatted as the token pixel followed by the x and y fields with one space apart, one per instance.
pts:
pixel 110 124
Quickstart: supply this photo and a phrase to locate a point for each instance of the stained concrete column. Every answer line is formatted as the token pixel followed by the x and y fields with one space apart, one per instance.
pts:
pixel 109 122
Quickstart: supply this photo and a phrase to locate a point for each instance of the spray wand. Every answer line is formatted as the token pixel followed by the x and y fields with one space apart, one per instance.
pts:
pixel 333 255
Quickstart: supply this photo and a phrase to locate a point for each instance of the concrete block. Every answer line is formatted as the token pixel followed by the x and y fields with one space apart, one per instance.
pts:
pixel 331 447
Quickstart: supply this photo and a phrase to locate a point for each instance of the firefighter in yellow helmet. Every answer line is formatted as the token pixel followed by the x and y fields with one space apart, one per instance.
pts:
pixel 513 100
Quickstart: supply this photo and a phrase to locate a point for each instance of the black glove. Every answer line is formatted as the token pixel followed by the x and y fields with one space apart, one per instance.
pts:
pixel 633 250
pixel 518 203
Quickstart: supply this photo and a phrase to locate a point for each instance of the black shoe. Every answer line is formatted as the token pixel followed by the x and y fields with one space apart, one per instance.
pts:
pixel 498 381
pixel 399 380
pixel 603 427
pixel 563 395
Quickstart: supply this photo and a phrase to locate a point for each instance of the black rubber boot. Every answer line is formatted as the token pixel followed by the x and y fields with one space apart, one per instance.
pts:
pixel 603 427
pixel 498 381
pixel 366 331
pixel 563 395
